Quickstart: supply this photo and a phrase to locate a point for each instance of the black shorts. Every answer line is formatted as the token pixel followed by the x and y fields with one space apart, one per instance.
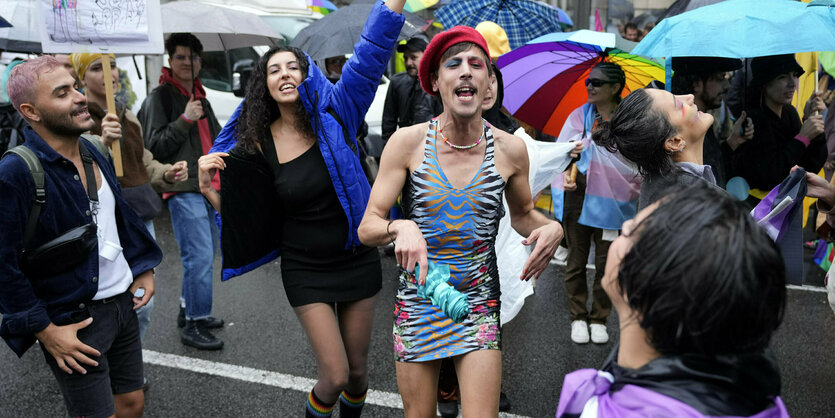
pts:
pixel 114 333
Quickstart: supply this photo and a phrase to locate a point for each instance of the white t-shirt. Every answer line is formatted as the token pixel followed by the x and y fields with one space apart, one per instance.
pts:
pixel 114 276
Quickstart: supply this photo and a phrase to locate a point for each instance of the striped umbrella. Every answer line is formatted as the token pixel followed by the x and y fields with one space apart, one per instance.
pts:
pixel 523 20
pixel 544 80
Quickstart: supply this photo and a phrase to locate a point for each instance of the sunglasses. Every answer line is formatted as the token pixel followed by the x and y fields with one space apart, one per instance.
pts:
pixel 594 82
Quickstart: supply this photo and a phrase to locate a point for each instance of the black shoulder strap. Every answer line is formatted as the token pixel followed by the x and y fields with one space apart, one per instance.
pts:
pixel 100 147
pixel 36 169
pixel 348 141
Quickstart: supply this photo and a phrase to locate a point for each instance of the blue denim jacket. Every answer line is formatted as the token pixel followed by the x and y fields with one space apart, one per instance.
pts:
pixel 27 305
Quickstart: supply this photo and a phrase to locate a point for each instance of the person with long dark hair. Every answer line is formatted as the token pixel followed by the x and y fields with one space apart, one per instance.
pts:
pixel 294 128
pixel 695 325
pixel 612 186
pixel 663 135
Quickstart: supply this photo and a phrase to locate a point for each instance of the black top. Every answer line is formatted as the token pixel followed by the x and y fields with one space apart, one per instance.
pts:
pixel 404 95
pixel 315 228
pixel 765 160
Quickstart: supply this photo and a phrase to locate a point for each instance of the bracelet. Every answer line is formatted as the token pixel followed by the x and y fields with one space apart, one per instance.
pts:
pixel 186 118
pixel 389 232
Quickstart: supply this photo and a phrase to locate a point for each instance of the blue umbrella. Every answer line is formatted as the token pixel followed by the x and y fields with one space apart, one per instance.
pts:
pixel 4 23
pixel 523 20
pixel 742 29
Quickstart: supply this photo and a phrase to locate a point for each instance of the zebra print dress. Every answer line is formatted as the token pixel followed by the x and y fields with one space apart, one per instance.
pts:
pixel 460 227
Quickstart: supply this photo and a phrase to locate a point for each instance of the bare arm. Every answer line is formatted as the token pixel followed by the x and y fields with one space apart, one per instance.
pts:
pixel 374 230
pixel 545 233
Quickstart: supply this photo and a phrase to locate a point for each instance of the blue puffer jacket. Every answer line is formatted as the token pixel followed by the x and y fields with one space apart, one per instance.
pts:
pixel 350 99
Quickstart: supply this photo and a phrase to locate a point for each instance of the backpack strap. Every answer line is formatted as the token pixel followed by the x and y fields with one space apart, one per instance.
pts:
pixel 36 169
pixel 100 147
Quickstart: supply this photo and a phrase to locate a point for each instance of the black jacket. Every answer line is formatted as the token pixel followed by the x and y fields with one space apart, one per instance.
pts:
pixel 399 109
pixel 765 160
pixel 169 137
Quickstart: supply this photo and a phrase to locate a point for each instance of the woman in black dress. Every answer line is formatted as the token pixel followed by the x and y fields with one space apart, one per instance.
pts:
pixel 293 127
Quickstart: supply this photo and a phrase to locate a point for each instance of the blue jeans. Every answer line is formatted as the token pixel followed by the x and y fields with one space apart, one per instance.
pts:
pixel 143 314
pixel 193 221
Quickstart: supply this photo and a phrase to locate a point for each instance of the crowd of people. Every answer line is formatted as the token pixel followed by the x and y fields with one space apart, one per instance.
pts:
pixel 285 178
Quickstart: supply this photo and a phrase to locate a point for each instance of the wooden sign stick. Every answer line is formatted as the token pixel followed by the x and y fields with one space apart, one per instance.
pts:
pixel 116 149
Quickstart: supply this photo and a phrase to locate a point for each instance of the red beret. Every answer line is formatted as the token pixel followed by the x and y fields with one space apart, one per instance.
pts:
pixel 440 43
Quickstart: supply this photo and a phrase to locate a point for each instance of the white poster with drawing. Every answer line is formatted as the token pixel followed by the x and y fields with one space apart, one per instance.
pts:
pixel 116 26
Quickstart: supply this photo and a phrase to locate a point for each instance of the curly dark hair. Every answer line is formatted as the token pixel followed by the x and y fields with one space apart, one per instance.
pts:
pixel 259 110
pixel 703 277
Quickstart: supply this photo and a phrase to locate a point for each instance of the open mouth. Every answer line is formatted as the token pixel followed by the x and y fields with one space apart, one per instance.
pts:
pixel 286 87
pixel 465 93
pixel 81 111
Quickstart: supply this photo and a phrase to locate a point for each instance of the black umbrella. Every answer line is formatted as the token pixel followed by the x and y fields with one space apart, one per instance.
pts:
pixel 338 32
pixel 681 6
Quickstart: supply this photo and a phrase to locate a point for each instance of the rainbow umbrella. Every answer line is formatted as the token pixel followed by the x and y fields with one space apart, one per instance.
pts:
pixel 322 7
pixel 544 80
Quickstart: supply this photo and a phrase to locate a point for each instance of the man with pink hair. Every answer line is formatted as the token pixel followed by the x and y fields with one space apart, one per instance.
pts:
pixel 78 304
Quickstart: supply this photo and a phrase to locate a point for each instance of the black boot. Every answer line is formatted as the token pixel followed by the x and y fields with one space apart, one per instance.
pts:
pixel 198 336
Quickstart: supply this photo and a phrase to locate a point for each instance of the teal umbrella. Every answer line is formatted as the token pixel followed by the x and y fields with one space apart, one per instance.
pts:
pixel 742 29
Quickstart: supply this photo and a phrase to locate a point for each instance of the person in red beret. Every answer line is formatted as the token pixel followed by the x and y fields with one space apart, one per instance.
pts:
pixel 453 172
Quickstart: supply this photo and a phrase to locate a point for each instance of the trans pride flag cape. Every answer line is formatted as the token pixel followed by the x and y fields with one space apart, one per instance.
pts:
pixel 612 183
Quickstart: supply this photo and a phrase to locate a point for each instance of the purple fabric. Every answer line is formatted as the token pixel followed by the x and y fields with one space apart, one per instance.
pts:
pixel 630 401
pixel 774 226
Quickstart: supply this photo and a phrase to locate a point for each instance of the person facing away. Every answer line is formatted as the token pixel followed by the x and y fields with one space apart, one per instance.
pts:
pixel 699 289
pixel 708 80
pixel 404 92
pixel 455 169
pixel 83 313
pixel 179 125
pixel 143 176
pixel 291 147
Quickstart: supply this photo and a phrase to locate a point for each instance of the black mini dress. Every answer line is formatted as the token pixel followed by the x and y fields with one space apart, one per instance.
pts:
pixel 315 266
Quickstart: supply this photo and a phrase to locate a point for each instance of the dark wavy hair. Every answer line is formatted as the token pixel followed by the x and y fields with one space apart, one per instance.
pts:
pixel 614 73
pixel 183 39
pixel 638 131
pixel 703 277
pixel 259 109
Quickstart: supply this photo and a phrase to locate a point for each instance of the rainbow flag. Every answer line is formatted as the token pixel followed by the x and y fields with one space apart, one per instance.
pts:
pixel 418 5
pixel 322 7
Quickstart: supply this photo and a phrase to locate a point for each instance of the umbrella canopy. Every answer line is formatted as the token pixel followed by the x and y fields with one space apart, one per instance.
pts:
pixel 743 28
pixel 523 20
pixel 218 28
pixel 23 35
pixel 544 80
pixel 337 33
pixel 418 5
pixel 4 23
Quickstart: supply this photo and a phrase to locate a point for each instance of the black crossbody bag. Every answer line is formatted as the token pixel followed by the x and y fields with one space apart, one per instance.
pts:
pixel 70 249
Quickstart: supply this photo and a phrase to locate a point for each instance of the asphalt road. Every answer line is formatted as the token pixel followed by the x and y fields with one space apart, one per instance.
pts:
pixel 266 365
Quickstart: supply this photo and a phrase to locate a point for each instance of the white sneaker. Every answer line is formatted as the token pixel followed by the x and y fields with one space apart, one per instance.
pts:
pixel 598 334
pixel 580 332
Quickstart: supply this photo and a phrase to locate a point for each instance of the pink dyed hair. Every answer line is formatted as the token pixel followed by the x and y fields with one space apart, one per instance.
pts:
pixel 22 86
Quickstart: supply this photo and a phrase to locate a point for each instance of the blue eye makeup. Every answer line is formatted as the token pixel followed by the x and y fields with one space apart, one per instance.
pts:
pixel 454 62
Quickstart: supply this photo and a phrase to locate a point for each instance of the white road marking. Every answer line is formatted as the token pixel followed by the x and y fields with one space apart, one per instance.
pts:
pixel 819 289
pixel 265 377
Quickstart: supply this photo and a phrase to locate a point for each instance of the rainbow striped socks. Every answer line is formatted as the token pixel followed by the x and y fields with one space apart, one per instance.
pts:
pixel 350 406
pixel 318 409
